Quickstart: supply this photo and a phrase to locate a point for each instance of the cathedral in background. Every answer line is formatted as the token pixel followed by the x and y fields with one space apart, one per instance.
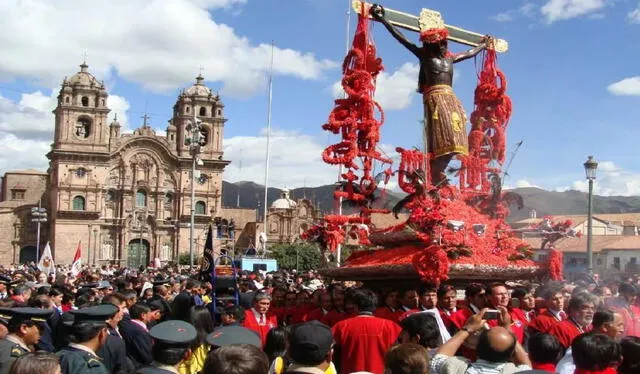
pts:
pixel 126 198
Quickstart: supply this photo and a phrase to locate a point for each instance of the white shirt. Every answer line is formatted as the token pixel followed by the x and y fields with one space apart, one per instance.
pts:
pixel 83 348
pixel 555 313
pixel 141 324
pixel 258 316
pixel 566 365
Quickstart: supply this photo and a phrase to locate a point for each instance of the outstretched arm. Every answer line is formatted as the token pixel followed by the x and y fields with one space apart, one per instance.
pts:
pixel 470 53
pixel 377 12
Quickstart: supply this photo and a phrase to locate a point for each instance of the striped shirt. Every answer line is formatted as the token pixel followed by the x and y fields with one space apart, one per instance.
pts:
pixel 441 364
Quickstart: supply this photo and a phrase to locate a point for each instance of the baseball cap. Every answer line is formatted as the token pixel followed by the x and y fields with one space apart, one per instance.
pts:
pixel 309 343
pixel 229 335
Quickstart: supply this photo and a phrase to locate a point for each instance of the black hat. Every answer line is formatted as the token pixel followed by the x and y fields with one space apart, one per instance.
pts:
pixel 5 279
pixel 309 343
pixel 19 315
pixel 98 314
pixel 627 289
pixel 173 333
pixel 228 335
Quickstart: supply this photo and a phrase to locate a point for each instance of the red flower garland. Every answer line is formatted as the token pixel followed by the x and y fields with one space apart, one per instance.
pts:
pixel 555 264
pixel 432 264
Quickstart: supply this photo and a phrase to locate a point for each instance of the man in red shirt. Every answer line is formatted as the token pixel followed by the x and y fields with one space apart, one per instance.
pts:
pixel 363 340
pixel 319 314
pixel 475 296
pixel 625 304
pixel 522 298
pixel 389 310
pixel 447 301
pixel 409 303
pixel 581 309
pixel 554 313
pixel 258 317
pixel 498 297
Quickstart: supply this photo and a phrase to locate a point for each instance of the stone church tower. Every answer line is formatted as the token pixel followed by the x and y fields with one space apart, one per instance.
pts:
pixel 127 197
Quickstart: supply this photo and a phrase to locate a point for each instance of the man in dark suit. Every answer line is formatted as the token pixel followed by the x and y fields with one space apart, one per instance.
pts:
pixel 114 353
pixel 136 336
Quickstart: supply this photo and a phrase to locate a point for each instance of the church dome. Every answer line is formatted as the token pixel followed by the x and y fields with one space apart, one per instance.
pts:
pixel 83 77
pixel 199 88
pixel 284 202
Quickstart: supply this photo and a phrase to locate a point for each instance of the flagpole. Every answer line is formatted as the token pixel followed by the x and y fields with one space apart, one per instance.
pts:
pixel 340 170
pixel 267 160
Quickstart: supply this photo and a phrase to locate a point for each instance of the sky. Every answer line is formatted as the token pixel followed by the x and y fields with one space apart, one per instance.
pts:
pixel 572 70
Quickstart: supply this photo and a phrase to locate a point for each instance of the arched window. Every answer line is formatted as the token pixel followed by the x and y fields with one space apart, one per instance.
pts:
pixel 102 102
pixel 205 136
pixel 78 203
pixel 201 208
pixel 187 109
pixel 83 128
pixel 203 111
pixel 85 101
pixel 67 100
pixel 111 195
pixel 168 198
pixel 141 198
pixel 219 112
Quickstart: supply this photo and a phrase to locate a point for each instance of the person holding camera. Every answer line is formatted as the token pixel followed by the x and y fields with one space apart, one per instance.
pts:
pixel 497 349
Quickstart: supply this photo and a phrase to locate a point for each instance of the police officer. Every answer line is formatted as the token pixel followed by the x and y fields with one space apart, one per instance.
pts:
pixel 172 344
pixel 24 326
pixel 86 335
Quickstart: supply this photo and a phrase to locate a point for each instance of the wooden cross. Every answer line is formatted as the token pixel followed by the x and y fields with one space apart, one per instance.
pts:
pixel 412 23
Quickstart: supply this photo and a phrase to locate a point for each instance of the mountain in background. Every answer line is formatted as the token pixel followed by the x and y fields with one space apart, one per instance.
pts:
pixel 251 195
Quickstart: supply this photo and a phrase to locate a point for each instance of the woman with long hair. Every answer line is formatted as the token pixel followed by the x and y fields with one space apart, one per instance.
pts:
pixel 200 317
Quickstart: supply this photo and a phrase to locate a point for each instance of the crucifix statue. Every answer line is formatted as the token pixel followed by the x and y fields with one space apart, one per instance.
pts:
pixel 444 116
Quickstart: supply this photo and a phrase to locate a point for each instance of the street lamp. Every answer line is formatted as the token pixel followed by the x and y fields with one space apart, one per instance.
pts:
pixel 38 215
pixel 195 140
pixel 590 167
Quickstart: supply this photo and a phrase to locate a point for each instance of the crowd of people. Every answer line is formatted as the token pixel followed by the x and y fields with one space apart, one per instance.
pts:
pixel 111 320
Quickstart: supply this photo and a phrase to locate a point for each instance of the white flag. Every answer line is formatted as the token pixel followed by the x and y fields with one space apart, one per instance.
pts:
pixel 76 266
pixel 46 264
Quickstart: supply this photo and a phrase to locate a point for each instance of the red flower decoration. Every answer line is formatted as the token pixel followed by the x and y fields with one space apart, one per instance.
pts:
pixel 432 264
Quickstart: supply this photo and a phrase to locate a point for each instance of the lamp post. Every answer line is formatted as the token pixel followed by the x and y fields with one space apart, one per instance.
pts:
pixel 38 215
pixel 195 141
pixel 590 167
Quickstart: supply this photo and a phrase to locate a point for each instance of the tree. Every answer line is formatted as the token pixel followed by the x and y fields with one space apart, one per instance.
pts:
pixel 300 256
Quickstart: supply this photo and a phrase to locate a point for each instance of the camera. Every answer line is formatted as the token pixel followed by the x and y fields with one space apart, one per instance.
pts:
pixel 491 314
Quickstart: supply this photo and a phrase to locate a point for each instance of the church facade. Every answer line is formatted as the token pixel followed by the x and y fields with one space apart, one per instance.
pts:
pixel 124 198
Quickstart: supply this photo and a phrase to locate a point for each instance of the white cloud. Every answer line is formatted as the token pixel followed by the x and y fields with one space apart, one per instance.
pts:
pixel 503 17
pixel 559 10
pixel 611 180
pixel 527 9
pixel 634 15
pixel 291 153
pixel 27 126
pixel 18 154
pixel 522 183
pixel 134 39
pixel 626 87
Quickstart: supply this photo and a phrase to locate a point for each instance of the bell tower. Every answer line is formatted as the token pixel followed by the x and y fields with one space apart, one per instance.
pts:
pixel 81 114
pixel 199 101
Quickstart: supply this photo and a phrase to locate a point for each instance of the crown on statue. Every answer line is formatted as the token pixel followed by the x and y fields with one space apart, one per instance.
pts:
pixel 432 28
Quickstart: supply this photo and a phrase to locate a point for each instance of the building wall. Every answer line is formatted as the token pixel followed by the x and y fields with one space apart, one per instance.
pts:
pixel 599 228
